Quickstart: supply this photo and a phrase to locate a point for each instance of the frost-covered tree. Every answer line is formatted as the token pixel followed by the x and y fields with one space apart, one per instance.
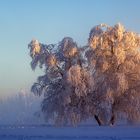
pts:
pixel 114 56
pixel 66 81
pixel 100 80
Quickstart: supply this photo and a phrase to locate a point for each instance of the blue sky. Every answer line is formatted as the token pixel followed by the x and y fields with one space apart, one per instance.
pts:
pixel 49 21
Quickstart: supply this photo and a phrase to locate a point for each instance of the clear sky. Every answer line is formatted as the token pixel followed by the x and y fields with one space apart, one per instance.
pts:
pixel 49 21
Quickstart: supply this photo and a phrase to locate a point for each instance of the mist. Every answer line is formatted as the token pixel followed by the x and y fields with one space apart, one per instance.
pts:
pixel 21 108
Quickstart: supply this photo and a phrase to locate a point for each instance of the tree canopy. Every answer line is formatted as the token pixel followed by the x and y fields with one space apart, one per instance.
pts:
pixel 100 80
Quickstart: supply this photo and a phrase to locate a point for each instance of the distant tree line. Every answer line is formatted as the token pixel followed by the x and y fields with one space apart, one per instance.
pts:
pixel 20 109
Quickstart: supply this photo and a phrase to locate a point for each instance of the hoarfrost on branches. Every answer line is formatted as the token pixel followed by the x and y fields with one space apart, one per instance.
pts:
pixel 100 80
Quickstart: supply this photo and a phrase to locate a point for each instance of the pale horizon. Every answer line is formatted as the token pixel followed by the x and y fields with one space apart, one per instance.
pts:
pixel 49 21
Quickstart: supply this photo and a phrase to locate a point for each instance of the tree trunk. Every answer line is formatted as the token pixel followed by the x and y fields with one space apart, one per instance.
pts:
pixel 98 120
pixel 113 119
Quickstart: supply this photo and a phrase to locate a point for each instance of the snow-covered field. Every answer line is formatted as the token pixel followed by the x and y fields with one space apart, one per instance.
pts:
pixel 25 111
pixel 68 133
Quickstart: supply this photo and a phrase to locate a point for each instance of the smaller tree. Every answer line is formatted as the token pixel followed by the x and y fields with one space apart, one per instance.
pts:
pixel 66 80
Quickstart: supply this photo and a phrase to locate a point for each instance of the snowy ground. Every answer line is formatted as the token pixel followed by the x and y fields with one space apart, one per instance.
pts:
pixel 68 133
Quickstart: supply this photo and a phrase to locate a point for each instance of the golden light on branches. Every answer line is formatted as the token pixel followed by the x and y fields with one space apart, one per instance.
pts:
pixel 100 80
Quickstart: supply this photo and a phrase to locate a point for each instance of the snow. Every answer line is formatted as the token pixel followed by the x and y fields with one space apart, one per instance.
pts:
pixel 19 121
pixel 43 132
